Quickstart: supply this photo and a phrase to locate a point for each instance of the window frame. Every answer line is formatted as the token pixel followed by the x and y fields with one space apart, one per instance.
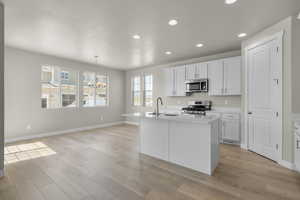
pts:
pixel 133 91
pixel 77 95
pixel 94 88
pixel 144 89
pixel 64 73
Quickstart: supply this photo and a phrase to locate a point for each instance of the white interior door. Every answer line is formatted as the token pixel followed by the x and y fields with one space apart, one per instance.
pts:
pixel 265 98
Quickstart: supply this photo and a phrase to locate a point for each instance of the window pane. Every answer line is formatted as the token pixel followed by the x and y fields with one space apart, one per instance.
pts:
pixel 136 93
pixel 68 94
pixel 148 98
pixel 50 96
pixel 148 82
pixel 101 90
pixel 148 90
pixel 50 81
pixel 88 96
pixel 69 88
pixel 137 84
pixel 137 101
pixel 88 89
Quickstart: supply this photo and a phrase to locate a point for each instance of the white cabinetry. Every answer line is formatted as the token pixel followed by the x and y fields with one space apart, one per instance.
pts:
pixel 196 71
pixel 231 128
pixel 180 87
pixel 225 77
pixel 215 76
pixel 169 82
pixel 191 146
pixel 175 81
pixel 190 71
pixel 154 140
pixel 232 76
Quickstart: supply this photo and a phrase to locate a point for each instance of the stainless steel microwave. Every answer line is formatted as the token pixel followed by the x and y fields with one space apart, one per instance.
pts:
pixel 198 85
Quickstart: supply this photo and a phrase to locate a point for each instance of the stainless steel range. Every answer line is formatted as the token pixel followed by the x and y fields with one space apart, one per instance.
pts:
pixel 197 107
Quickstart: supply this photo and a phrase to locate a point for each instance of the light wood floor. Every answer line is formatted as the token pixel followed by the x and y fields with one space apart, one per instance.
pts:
pixel 105 164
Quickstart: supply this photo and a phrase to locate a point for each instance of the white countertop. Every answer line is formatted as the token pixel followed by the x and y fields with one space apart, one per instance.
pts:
pixel 181 117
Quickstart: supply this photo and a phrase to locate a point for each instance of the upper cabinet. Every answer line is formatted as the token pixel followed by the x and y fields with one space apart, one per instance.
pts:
pixel 215 76
pixel 180 87
pixel 196 71
pixel 225 77
pixel 201 71
pixel 169 79
pixel 175 81
pixel 232 76
pixel 190 71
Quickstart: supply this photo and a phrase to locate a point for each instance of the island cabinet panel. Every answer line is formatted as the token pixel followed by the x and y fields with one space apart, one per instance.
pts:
pixel 190 145
pixel 194 145
pixel 154 138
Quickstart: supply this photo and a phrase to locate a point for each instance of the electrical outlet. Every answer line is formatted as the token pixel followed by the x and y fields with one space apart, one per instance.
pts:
pixel 101 118
pixel 226 102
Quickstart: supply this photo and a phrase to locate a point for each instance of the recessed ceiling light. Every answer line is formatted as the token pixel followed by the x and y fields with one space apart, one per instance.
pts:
pixel 168 52
pixel 137 37
pixel 173 22
pixel 230 1
pixel 241 35
pixel 199 45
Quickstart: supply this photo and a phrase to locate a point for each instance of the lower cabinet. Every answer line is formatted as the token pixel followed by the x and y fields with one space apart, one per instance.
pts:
pixel 231 128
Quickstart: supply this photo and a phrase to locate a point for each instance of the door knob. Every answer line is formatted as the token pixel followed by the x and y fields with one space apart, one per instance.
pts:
pixel 249 113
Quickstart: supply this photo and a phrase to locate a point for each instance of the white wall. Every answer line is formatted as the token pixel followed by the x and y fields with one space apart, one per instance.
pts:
pixel 1 87
pixel 286 26
pixel 23 91
pixel 158 87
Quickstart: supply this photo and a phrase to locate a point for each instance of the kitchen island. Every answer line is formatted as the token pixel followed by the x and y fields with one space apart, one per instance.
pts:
pixel 187 140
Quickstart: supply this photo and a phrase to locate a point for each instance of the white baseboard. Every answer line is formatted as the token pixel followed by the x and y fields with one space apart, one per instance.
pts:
pixel 297 168
pixel 132 123
pixel 244 146
pixel 29 137
pixel 287 164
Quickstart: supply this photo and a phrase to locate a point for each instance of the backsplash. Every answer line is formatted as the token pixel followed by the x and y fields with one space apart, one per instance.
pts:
pixel 222 101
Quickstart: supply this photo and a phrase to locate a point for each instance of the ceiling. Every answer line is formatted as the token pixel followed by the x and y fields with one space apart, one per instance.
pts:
pixel 80 30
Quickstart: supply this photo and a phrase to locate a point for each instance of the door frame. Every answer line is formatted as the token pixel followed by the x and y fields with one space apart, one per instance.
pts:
pixel 278 36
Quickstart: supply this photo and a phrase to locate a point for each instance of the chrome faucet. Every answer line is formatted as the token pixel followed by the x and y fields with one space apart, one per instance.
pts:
pixel 157 106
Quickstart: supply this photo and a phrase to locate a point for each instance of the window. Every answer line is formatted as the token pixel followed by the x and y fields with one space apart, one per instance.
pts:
pixel 136 91
pixel 64 75
pixel 59 88
pixel 95 89
pixel 148 90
